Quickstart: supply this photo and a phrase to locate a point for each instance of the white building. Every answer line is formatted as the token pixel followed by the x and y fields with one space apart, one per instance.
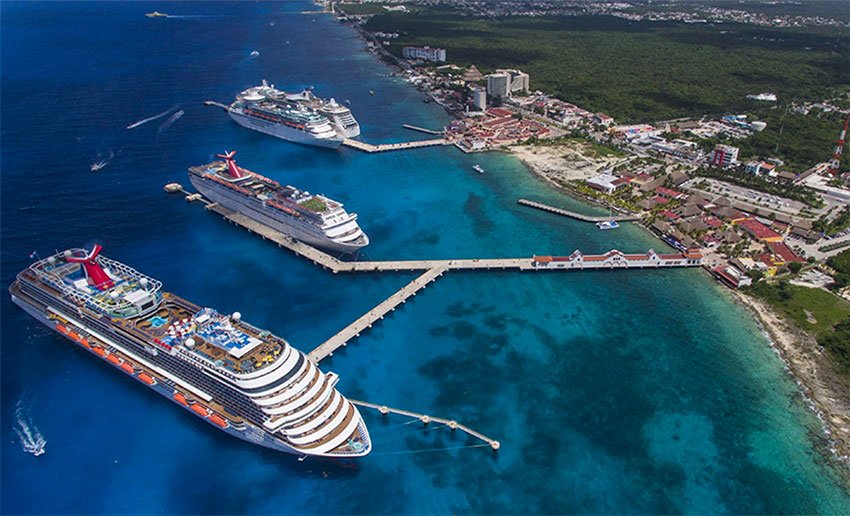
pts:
pixel 498 85
pixel 479 99
pixel 724 155
pixel 504 83
pixel 424 53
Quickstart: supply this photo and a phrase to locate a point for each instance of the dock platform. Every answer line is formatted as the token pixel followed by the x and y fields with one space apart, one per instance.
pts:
pixel 353 330
pixel 384 147
pixel 574 215
pixel 422 129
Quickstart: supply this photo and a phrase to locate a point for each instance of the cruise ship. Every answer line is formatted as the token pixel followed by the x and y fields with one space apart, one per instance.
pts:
pixel 313 219
pixel 239 378
pixel 297 117
pixel 288 121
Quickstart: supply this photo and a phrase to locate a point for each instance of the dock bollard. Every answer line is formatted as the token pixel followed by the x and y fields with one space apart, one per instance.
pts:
pixel 425 420
pixel 495 445
pixel 453 425
pixel 384 410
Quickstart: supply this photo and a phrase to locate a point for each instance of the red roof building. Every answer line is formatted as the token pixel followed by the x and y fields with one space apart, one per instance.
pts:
pixel 760 231
pixel 783 252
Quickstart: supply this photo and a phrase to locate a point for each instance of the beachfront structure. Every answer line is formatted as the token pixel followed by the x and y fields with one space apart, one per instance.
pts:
pixel 505 83
pixel 479 99
pixel 606 182
pixel 424 53
pixel 617 259
pixel 724 155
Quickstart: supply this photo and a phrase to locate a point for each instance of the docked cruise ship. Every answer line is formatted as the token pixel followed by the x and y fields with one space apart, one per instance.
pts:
pixel 235 376
pixel 296 117
pixel 313 219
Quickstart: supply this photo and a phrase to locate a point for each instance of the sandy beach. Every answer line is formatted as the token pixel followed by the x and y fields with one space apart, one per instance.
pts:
pixel 560 163
pixel 828 394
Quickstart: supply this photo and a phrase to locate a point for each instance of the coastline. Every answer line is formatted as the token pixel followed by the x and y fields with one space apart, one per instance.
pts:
pixel 808 365
pixel 825 393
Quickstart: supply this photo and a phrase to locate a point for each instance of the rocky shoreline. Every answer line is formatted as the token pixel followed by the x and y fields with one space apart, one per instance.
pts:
pixel 827 394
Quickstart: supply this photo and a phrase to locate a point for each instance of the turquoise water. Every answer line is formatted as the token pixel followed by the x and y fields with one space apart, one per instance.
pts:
pixel 638 391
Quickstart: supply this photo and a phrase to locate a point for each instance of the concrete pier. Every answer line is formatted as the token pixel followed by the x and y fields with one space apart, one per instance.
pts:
pixel 353 330
pixel 572 214
pixel 384 147
pixel 422 129
pixel 576 261
pixel 453 425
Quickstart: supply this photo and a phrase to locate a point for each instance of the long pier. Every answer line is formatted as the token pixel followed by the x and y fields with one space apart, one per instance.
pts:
pixel 572 214
pixel 353 330
pixel 384 147
pixel 576 261
pixel 422 129
pixel 453 425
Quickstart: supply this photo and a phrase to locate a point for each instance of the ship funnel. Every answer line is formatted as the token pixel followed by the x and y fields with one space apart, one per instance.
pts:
pixel 96 276
pixel 235 172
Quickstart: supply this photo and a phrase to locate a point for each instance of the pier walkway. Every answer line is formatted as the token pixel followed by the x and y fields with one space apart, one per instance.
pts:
pixel 384 147
pixel 574 215
pixel 353 330
pixel 453 425
pixel 576 261
pixel 422 129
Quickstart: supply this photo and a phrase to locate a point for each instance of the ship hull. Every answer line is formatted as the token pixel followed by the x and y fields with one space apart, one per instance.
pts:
pixel 283 132
pixel 288 225
pixel 242 430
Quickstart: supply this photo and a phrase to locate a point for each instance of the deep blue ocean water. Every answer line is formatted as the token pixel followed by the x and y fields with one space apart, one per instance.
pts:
pixel 638 391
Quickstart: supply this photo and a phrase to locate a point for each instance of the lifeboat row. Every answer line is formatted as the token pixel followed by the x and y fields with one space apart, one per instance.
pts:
pixel 113 359
pixel 201 410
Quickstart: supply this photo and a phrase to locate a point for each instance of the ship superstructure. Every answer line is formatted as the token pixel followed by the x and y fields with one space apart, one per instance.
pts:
pixel 314 219
pixel 340 116
pixel 242 379
pixel 297 117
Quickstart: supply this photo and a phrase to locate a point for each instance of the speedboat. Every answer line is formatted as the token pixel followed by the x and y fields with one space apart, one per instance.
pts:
pixel 607 224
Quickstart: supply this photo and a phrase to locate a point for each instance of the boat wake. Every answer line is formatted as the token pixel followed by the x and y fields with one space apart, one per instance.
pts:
pixel 102 162
pixel 168 123
pixel 31 439
pixel 151 119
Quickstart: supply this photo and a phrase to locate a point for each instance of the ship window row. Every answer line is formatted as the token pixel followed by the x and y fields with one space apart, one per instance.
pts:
pixel 280 381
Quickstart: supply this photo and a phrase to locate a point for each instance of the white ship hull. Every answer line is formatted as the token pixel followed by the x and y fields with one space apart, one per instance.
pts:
pixel 296 228
pixel 284 132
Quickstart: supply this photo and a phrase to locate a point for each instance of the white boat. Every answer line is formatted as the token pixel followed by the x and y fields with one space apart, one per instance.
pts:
pixel 478 168
pixel 608 224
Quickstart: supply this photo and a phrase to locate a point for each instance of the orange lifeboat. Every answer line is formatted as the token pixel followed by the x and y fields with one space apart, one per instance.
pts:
pixel 145 377
pixel 200 410
pixel 127 368
pixel 179 398
pixel 218 420
pixel 61 328
pixel 112 359
pixel 98 351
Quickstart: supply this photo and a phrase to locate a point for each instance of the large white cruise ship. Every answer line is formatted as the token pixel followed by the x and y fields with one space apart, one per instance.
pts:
pixel 314 219
pixel 239 378
pixel 288 121
pixel 339 115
